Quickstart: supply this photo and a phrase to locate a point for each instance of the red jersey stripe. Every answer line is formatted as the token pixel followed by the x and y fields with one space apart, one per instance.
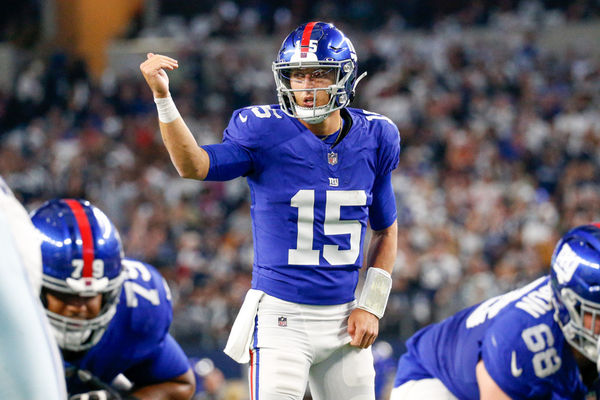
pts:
pixel 87 240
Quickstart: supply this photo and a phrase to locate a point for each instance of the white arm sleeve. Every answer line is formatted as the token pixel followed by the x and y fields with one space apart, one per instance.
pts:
pixel 25 235
pixel 31 366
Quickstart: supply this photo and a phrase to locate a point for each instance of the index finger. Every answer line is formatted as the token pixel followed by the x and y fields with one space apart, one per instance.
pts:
pixel 161 58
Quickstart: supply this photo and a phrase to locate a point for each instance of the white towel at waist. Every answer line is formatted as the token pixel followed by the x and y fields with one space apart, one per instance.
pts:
pixel 238 343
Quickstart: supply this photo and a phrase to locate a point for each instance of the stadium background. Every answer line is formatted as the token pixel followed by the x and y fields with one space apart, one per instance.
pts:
pixel 497 104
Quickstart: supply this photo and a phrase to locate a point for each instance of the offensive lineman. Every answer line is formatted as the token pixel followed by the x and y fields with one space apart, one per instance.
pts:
pixel 536 342
pixel 110 315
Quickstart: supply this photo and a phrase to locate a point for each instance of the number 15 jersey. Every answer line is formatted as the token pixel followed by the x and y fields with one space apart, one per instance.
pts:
pixel 311 199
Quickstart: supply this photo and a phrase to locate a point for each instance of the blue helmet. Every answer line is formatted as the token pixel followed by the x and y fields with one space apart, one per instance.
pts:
pixel 575 281
pixel 81 255
pixel 322 46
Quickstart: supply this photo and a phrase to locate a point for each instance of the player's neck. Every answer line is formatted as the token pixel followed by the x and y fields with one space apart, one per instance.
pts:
pixel 332 124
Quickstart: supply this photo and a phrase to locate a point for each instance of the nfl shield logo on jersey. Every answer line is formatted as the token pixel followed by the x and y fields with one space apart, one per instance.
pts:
pixel 332 158
pixel 282 321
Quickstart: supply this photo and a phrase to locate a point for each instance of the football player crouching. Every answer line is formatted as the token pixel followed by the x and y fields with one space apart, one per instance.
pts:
pixel 110 315
pixel 536 342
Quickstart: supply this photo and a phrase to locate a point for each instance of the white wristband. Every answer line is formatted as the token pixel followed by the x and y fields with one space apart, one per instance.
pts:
pixel 167 112
pixel 375 292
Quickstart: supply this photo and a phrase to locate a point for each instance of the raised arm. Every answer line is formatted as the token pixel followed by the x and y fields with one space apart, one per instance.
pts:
pixel 190 160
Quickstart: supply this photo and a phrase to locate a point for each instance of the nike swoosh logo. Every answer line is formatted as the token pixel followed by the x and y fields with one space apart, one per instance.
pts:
pixel 243 118
pixel 513 366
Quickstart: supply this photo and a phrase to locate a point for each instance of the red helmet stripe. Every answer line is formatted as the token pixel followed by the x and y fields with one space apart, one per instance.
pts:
pixel 305 43
pixel 87 241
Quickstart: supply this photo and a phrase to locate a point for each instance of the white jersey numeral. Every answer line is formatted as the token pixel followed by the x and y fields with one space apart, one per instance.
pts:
pixel 304 200
pixel 265 112
pixel 304 254
pixel 371 116
pixel 539 340
pixel 97 268
pixel 134 289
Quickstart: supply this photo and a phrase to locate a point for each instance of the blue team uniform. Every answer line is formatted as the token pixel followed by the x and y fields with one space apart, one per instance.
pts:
pixel 515 335
pixel 136 342
pixel 311 198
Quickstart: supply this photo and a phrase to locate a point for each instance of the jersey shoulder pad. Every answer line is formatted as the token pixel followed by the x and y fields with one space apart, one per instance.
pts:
pixel 385 133
pixel 377 124
pixel 373 119
pixel 250 126
pixel 145 299
pixel 519 351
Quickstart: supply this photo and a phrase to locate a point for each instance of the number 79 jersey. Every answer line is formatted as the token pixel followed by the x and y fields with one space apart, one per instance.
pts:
pixel 522 347
pixel 311 199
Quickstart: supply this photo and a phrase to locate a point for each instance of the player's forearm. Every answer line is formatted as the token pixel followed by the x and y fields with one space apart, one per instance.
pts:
pixel 383 248
pixel 190 160
pixel 488 388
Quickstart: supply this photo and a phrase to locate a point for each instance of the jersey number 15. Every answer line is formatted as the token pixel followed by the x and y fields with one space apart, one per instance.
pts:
pixel 304 201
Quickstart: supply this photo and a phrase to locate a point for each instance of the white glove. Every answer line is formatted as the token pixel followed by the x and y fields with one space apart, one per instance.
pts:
pixel 94 395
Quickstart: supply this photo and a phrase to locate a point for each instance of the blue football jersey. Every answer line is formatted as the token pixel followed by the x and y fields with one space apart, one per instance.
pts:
pixel 515 335
pixel 136 342
pixel 310 200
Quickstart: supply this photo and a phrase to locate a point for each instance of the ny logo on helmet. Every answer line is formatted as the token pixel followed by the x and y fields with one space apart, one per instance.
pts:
pixel 567 262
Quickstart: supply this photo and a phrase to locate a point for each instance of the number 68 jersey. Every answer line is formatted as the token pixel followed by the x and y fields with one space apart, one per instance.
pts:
pixel 311 198
pixel 136 342
pixel 522 347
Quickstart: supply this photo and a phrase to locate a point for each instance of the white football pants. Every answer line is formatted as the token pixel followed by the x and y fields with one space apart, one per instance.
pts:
pixel 296 343
pixel 422 389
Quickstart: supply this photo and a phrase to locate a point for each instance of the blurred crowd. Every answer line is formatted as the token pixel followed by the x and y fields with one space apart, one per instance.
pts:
pixel 500 155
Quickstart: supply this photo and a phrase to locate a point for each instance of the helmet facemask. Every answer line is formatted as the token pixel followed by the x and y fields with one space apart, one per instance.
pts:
pixel 336 91
pixel 570 313
pixel 76 334
pixel 316 45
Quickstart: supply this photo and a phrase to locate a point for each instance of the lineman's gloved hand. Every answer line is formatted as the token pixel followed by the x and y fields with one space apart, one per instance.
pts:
pixel 96 395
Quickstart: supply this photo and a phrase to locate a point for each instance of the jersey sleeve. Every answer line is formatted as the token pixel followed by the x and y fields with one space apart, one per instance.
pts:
pixel 497 350
pixel 388 153
pixel 166 362
pixel 236 156
pixel 147 296
pixel 522 358
pixel 244 129
pixel 382 213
